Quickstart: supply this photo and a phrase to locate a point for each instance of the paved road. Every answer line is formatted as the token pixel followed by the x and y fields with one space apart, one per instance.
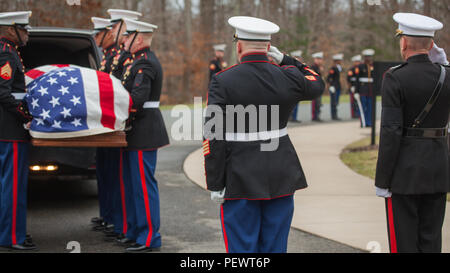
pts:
pixel 59 211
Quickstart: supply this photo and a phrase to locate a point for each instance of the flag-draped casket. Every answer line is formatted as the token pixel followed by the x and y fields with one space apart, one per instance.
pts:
pixel 70 103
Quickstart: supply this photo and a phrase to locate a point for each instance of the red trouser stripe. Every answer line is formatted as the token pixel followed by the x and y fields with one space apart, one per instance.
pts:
pixel 122 195
pixel 147 203
pixel 225 238
pixel 392 238
pixel 15 178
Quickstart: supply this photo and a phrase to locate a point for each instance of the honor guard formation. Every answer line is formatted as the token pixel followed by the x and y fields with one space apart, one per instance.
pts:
pixel 252 172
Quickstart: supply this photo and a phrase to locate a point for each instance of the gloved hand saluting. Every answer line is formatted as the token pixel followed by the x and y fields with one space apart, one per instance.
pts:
pixel 275 54
pixel 218 196
pixel 438 55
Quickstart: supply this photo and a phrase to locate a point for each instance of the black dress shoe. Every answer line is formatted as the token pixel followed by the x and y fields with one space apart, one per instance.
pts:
pixel 137 248
pixel 124 241
pixel 102 227
pixel 26 246
pixel 97 220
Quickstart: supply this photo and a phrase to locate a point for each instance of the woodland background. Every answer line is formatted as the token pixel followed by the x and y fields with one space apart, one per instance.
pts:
pixel 189 28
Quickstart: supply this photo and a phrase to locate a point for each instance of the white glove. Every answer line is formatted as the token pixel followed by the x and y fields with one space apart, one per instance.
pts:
pixel 275 54
pixel 357 96
pixel 353 89
pixel 332 89
pixel 384 193
pixel 437 55
pixel 218 196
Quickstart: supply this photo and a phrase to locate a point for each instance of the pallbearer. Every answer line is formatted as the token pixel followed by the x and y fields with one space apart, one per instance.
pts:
pixel 147 133
pixel 252 169
pixel 413 165
pixel 14 139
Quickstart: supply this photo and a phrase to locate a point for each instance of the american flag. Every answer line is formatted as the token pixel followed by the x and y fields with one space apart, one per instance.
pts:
pixel 71 101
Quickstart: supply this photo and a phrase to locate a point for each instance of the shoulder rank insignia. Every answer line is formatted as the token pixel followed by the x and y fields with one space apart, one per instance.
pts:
pixel 206 148
pixel 127 62
pixel 311 71
pixel 311 78
pixel 6 71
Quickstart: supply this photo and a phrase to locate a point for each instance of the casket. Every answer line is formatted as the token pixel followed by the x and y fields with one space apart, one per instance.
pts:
pixel 74 106
pixel 113 140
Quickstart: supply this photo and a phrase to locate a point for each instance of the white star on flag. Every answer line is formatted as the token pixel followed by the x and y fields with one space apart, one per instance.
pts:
pixel 66 112
pixel 54 101
pixel 76 122
pixel 35 103
pixel 73 80
pixel 75 100
pixel 61 74
pixel 56 124
pixel 64 90
pixel 39 121
pixel 45 114
pixel 52 81
pixel 43 91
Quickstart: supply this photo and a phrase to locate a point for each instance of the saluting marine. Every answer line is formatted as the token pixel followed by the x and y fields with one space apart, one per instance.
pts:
pixel 254 186
pixel 14 138
pixel 413 165
pixel 217 64
pixel 147 133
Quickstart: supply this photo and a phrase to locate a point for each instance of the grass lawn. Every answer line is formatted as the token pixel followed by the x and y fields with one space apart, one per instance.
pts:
pixel 363 159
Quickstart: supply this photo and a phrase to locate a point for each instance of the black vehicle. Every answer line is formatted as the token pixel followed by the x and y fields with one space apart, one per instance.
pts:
pixel 61 46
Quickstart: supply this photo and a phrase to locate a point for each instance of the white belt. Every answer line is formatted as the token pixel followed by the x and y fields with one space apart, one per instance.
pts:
pixel 151 104
pixel 260 136
pixel 366 80
pixel 19 96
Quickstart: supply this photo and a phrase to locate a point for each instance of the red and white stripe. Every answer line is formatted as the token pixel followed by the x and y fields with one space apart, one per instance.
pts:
pixel 35 73
pixel 107 104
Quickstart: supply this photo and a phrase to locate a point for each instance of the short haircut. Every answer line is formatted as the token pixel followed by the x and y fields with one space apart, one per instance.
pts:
pixel 418 43
pixel 255 45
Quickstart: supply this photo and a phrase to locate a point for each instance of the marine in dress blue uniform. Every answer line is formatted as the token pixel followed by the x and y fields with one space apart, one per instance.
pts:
pixel 316 104
pixel 218 63
pixel 14 138
pixel 147 133
pixel 108 159
pixel 334 80
pixel 256 187
pixel 298 55
pixel 351 80
pixel 413 171
pixel 364 86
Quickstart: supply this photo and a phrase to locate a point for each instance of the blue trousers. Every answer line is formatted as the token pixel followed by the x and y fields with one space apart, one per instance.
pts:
pixel 366 102
pixel 141 197
pixel 13 188
pixel 108 183
pixel 260 226
pixel 295 112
